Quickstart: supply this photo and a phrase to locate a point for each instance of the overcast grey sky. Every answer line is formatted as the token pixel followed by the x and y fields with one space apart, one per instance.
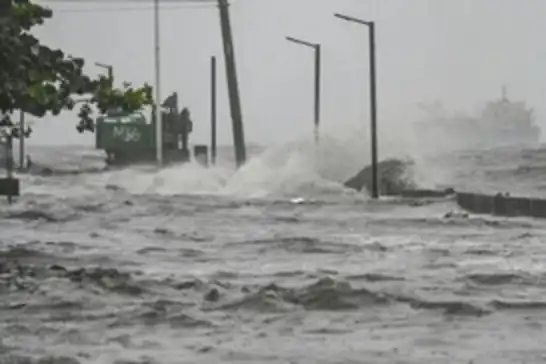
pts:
pixel 457 51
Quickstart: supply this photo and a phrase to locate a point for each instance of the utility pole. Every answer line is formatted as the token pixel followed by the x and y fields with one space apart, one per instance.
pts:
pixel 158 121
pixel 233 88
pixel 213 110
pixel 373 98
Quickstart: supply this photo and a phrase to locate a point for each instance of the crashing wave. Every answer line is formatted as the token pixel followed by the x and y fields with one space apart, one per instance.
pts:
pixel 395 176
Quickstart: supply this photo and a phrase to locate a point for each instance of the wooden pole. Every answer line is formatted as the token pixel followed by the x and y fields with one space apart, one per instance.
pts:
pixel 233 88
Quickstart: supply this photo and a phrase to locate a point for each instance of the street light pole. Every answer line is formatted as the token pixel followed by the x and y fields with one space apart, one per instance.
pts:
pixel 157 104
pixel 109 68
pixel 317 89
pixel 213 109
pixel 373 98
pixel 22 128
pixel 317 49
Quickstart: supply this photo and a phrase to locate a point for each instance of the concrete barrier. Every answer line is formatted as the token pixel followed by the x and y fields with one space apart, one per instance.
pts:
pixel 427 193
pixel 476 203
pixel 501 205
pixel 538 208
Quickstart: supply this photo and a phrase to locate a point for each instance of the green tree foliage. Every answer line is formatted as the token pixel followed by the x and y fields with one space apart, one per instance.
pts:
pixel 37 79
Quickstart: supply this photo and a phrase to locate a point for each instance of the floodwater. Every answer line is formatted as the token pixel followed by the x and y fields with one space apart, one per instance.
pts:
pixel 276 263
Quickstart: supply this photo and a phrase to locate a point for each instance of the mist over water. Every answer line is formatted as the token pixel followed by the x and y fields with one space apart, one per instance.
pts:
pixel 295 168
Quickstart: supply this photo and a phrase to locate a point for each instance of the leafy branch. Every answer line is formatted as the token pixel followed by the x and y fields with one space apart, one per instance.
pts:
pixel 37 79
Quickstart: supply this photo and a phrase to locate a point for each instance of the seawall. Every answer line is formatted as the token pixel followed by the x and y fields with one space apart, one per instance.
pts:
pixel 501 205
pixel 479 203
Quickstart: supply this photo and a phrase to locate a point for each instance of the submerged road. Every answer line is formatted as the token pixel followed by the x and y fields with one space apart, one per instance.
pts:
pixel 93 271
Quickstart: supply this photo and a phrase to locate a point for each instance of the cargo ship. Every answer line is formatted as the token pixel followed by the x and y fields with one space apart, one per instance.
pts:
pixel 501 123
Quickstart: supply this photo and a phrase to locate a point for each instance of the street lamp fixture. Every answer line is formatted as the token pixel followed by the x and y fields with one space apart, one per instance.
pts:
pixel 373 98
pixel 353 19
pixel 317 49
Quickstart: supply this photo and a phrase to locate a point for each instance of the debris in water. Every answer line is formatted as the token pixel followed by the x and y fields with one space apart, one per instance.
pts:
pixel 455 214
pixel 297 200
